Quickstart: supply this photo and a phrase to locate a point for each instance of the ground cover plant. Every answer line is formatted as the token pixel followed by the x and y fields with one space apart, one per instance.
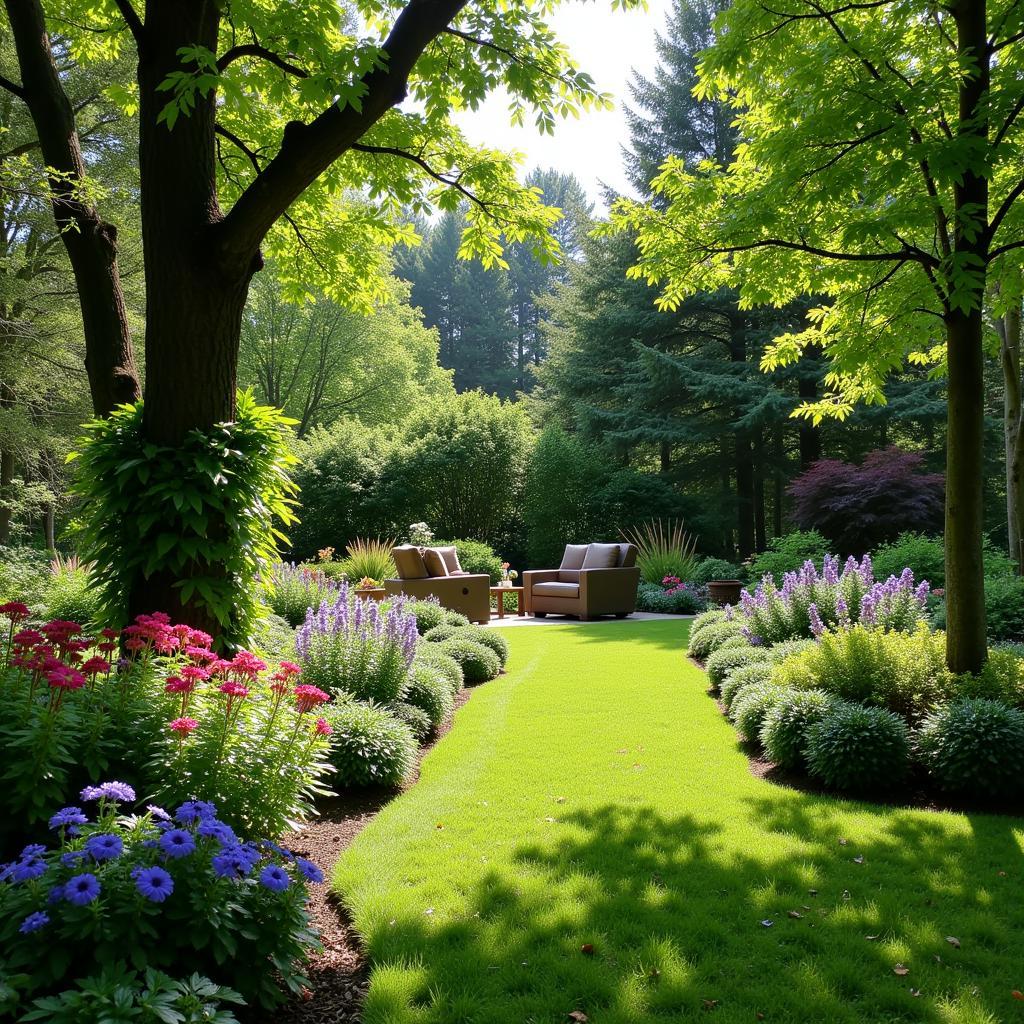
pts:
pixel 647 874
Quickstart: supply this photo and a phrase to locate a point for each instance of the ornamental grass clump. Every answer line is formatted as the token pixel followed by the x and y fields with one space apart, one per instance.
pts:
pixel 975 746
pixel 181 893
pixel 291 590
pixel 356 647
pixel 811 602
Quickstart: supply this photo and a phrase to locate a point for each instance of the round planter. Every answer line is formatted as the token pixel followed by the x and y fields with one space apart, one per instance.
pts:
pixel 724 591
pixel 377 594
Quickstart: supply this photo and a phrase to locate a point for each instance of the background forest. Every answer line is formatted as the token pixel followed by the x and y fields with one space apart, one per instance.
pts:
pixel 523 405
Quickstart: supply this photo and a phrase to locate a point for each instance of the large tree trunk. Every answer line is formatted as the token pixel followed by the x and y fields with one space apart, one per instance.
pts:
pixel 744 496
pixel 1009 328
pixel 91 242
pixel 966 645
pixel 810 436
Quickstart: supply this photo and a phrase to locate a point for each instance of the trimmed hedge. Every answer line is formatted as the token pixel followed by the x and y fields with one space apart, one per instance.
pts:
pixel 479 663
pixel 855 747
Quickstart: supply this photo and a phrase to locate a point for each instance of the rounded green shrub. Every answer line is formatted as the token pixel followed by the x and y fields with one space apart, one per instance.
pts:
pixel 726 659
pixel 72 596
pixel 714 569
pixel 710 638
pixel 369 746
pixel 438 634
pixel 855 747
pixel 430 691
pixel 415 717
pixel 778 653
pixel 475 557
pixel 455 618
pixel 975 746
pixel 489 638
pixel 274 638
pixel 428 614
pixel 1001 678
pixel 784 729
pixel 735 681
pixel 432 656
pixel 478 663
pixel 705 619
pixel 752 705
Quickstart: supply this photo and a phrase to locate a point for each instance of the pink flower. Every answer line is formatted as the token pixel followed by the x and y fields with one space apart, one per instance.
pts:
pixel 200 654
pixel 175 684
pixel 136 644
pixel 108 633
pixel 308 697
pixel 289 668
pixel 197 638
pixel 233 689
pixel 107 647
pixel 27 638
pixel 193 672
pixel 166 643
pixel 183 726
pixel 14 610
pixel 65 678
pixel 96 665
pixel 279 686
pixel 247 664
pixel 322 727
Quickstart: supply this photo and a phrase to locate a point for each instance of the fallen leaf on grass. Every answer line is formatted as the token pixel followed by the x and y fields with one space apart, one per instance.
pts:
pixel 550 819
pixel 843 842
pixel 578 1017
pixel 1017 994
pixel 708 1004
pixel 915 992
pixel 858 860
pixel 759 1015
pixel 767 923
pixel 559 799
pixel 587 949
pixel 871 938
pixel 812 892
pixel 953 941
pixel 1002 874
pixel 900 970
pixel 795 914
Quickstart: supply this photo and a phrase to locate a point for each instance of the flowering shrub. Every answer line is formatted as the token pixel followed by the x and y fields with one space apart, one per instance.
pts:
pixel 181 894
pixel 810 602
pixel 290 590
pixel 171 715
pixel 356 647
pixel 671 596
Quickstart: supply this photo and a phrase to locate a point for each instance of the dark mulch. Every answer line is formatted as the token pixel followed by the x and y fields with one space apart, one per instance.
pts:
pixel 338 975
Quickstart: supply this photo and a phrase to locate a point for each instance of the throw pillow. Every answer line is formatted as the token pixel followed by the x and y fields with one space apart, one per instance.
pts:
pixel 451 560
pixel 409 562
pixel 574 556
pixel 602 556
pixel 434 562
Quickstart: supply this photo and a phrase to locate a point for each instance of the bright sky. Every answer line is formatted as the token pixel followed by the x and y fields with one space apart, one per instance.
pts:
pixel 607 45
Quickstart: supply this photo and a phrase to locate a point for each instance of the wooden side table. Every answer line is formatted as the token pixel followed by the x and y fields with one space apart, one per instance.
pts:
pixel 518 591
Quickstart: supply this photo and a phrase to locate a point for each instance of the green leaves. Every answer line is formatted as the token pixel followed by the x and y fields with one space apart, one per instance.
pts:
pixel 204 512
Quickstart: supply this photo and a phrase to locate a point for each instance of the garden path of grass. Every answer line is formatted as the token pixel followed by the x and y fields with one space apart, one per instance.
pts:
pixel 595 797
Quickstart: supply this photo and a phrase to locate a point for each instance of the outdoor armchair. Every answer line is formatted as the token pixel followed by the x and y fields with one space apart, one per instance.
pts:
pixel 435 572
pixel 592 580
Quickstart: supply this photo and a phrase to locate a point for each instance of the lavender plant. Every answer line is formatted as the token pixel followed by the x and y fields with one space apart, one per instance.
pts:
pixel 357 647
pixel 291 590
pixel 810 602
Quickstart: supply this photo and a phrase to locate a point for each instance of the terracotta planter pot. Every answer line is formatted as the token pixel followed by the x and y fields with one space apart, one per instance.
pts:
pixel 377 594
pixel 724 591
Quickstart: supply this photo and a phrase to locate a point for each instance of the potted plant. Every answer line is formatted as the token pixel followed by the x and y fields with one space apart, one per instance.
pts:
pixel 723 592
pixel 508 575
pixel 370 589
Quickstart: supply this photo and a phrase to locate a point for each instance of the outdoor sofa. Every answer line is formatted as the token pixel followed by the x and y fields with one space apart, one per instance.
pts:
pixel 436 572
pixel 593 580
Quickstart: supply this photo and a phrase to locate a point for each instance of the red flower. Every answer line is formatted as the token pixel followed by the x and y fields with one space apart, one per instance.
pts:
pixel 322 727
pixel 108 633
pixel 233 689
pixel 65 678
pixel 193 672
pixel 183 726
pixel 247 664
pixel 14 610
pixel 107 647
pixel 289 668
pixel 27 638
pixel 308 697
pixel 96 665
pixel 175 684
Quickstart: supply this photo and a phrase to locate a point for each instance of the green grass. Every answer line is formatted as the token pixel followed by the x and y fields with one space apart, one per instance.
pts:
pixel 594 796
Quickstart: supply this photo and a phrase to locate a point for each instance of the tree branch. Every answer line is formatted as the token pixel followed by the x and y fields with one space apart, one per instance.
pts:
pixel 6 83
pixel 132 20
pixel 905 255
pixel 307 150
pixel 454 183
pixel 255 50
pixel 1004 208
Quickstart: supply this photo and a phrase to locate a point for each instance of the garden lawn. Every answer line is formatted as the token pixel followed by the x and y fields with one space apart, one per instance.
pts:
pixel 589 839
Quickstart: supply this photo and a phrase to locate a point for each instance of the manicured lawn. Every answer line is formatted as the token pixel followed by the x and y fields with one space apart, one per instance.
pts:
pixel 594 797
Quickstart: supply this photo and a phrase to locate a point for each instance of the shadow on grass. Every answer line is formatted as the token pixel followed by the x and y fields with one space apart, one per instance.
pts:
pixel 631 916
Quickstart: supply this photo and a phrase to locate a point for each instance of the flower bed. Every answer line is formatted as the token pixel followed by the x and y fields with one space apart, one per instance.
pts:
pixel 837 676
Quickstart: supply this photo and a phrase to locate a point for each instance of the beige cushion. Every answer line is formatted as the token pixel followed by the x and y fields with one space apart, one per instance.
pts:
pixel 556 590
pixel 451 559
pixel 409 562
pixel 628 556
pixel 568 575
pixel 602 556
pixel 434 562
pixel 574 556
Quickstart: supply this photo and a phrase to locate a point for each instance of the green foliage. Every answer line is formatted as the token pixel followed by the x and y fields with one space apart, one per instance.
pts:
pixel 925 555
pixel 475 557
pixel 1001 678
pixel 414 717
pixel 152 997
pixel 479 663
pixel 453 618
pixel 430 691
pixel 428 615
pixel 682 600
pixel 735 681
pixel 708 569
pixel 24 574
pixel 780 652
pixel 708 639
pixel 433 657
pixel 369 746
pixel 445 631
pixel 722 662
pixel 72 596
pixel 705 619
pixel 753 704
pixel 975 746
pixel 488 638
pixel 788 553
pixel 369 558
pixel 858 748
pixel 784 729
pixel 1004 607
pixel 274 638
pixel 663 549
pixel 201 513
pixel 368 666
pixel 905 673
pixel 290 591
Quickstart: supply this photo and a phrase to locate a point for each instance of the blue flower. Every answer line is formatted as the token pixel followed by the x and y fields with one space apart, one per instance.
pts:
pixel 26 870
pixel 158 812
pixel 119 792
pixel 68 816
pixel 235 861
pixel 104 847
pixel 71 858
pixel 311 872
pixel 195 810
pixel 56 894
pixel 33 850
pixel 34 922
pixel 217 830
pixel 82 889
pixel 275 878
pixel 154 883
pixel 177 843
